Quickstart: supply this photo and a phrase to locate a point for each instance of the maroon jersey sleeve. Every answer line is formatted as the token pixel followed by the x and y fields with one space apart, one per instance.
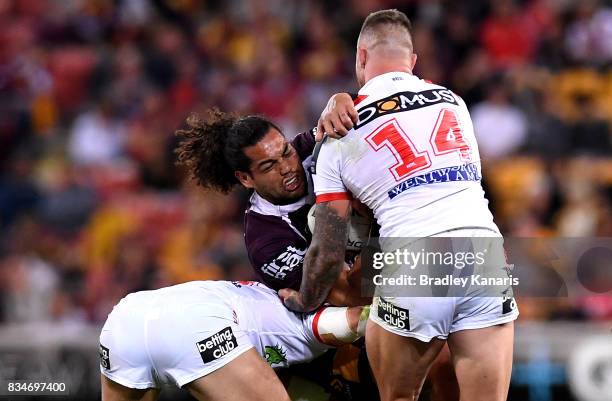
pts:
pixel 304 144
pixel 275 250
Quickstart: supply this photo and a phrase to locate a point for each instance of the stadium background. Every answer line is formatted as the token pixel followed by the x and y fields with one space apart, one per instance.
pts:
pixel 92 206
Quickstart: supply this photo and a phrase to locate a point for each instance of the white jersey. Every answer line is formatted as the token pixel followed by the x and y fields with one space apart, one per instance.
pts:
pixel 177 334
pixel 270 326
pixel 412 158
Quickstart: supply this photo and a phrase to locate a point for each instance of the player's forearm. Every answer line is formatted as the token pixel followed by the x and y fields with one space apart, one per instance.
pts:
pixel 322 267
pixel 325 257
pixel 319 275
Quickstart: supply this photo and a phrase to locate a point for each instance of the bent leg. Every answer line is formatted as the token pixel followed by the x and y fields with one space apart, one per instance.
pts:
pixel 112 391
pixel 400 364
pixel 247 377
pixel 483 361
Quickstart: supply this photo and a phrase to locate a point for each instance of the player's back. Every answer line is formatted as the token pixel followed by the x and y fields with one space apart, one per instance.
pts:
pixel 245 308
pixel 412 158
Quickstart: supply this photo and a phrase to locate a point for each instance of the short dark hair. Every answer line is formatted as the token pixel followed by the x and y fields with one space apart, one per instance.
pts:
pixel 212 149
pixel 387 17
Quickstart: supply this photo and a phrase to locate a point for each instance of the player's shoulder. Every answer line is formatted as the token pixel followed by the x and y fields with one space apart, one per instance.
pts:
pixel 421 85
pixel 240 286
pixel 328 145
pixel 304 143
pixel 401 92
pixel 393 84
pixel 329 152
pixel 429 85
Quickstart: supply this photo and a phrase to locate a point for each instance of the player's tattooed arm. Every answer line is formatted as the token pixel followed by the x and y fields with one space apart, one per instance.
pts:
pixel 325 257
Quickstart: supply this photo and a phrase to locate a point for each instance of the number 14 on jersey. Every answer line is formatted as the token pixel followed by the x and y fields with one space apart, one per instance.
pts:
pixel 446 137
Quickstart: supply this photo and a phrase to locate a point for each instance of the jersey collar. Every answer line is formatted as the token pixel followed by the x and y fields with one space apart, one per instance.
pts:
pixel 380 79
pixel 262 206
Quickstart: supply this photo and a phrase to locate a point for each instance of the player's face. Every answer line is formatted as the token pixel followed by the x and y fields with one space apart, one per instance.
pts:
pixel 276 171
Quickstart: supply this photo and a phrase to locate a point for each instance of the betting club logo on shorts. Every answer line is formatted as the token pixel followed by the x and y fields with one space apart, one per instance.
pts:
pixel 404 101
pixel 393 315
pixel 104 357
pixel 508 304
pixel 217 345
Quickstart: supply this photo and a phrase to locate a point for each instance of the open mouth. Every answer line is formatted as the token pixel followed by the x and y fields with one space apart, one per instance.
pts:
pixel 292 184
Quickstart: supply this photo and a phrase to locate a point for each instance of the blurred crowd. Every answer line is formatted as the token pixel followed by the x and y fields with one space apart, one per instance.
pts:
pixel 92 206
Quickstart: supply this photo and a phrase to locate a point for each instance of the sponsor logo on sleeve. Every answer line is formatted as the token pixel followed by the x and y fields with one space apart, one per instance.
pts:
pixel 275 354
pixel 104 357
pixel 284 263
pixel 393 315
pixel 403 101
pixel 218 345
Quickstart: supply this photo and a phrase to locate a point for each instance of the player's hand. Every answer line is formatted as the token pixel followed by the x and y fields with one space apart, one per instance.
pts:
pixel 337 118
pixel 291 299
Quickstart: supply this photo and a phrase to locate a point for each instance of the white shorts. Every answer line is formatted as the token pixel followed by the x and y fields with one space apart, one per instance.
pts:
pixel 425 318
pixel 138 350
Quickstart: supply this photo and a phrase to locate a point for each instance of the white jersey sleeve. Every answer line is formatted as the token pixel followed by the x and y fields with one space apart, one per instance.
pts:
pixel 327 169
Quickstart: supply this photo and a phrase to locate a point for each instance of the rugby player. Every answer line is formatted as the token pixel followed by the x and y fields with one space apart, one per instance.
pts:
pixel 211 337
pixel 223 151
pixel 409 128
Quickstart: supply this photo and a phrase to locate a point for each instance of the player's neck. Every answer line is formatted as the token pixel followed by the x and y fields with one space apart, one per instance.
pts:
pixel 379 69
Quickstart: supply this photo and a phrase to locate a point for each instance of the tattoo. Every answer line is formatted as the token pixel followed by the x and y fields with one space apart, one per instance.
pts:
pixel 294 303
pixel 324 259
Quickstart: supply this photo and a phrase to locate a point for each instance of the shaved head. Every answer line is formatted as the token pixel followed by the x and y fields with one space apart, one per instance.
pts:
pixel 386 28
pixel 384 43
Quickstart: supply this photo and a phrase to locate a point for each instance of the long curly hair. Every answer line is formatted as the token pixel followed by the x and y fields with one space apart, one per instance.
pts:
pixel 212 148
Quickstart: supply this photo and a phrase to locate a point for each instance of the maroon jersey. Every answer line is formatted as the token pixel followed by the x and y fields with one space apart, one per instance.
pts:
pixel 277 237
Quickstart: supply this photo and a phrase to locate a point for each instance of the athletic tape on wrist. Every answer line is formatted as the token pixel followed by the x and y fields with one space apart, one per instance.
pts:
pixel 330 326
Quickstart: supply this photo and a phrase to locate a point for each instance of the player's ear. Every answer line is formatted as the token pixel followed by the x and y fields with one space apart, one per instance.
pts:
pixel 245 179
pixel 362 56
pixel 413 60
